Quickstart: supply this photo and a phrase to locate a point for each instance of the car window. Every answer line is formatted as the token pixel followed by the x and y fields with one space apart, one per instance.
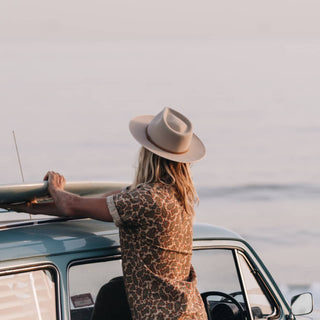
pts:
pixel 218 277
pixel 29 295
pixel 85 281
pixel 260 305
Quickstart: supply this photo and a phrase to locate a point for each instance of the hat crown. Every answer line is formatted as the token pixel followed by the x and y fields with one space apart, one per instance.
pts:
pixel 170 131
pixel 177 124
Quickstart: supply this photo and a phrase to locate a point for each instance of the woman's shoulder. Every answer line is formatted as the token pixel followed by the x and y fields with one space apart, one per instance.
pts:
pixel 158 194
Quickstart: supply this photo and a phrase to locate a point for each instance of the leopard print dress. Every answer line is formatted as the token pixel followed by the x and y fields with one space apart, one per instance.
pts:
pixel 156 244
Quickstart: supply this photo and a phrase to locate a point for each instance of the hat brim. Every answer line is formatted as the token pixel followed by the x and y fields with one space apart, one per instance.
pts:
pixel 138 127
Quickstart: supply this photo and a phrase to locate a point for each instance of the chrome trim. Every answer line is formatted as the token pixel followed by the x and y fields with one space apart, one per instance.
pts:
pixel 216 246
pixel 242 283
pixel 36 267
pixel 93 259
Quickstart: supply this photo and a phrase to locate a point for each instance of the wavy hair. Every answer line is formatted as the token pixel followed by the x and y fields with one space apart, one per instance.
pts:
pixel 155 169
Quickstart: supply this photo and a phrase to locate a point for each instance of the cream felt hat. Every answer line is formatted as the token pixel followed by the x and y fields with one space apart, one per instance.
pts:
pixel 169 134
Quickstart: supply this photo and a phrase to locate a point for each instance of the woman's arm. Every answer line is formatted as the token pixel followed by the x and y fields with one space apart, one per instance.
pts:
pixel 72 205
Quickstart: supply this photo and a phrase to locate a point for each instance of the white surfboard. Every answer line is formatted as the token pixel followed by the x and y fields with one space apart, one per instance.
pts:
pixel 15 193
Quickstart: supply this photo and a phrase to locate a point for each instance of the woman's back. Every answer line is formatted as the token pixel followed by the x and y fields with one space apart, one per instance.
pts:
pixel 156 242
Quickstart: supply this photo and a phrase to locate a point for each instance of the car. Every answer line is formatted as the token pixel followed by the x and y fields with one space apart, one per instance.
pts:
pixel 53 269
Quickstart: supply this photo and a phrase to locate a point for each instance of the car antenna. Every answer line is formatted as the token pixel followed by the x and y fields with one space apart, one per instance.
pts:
pixel 19 160
pixel 18 155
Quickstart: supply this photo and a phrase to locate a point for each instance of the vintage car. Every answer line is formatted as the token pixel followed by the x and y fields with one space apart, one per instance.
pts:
pixel 53 268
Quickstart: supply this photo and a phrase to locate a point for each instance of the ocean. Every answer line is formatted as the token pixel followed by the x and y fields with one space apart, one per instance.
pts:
pixel 253 100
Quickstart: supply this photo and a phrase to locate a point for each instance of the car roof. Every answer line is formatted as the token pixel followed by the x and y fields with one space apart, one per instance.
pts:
pixel 56 237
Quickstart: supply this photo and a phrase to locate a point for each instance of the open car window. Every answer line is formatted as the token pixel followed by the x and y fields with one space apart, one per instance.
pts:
pixel 29 295
pixel 85 281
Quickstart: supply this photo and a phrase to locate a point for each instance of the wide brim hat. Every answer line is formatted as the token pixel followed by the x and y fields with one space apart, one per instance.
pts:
pixel 169 134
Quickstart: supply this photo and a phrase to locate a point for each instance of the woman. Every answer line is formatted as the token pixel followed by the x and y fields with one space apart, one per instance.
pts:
pixel 154 217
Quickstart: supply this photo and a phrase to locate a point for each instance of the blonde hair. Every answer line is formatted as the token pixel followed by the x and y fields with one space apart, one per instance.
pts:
pixel 155 169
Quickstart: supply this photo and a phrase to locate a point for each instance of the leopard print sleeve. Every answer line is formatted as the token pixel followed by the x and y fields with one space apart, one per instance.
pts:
pixel 129 207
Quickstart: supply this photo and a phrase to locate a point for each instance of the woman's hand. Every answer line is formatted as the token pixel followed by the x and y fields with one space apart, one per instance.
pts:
pixel 72 205
pixel 55 181
pixel 56 184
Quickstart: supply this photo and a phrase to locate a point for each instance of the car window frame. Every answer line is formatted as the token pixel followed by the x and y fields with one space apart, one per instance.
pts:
pixel 236 250
pixel 236 266
pixel 35 267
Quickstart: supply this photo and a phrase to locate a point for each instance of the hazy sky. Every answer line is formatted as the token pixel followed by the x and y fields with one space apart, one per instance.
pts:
pixel 98 20
pixel 248 69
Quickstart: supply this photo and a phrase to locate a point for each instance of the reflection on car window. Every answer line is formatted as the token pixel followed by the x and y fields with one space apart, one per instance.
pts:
pixel 85 281
pixel 28 295
pixel 259 304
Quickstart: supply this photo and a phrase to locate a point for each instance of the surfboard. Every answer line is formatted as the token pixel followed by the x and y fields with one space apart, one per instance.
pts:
pixel 15 193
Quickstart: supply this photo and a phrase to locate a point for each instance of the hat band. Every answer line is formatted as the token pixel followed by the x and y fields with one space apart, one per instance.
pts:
pixel 166 150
